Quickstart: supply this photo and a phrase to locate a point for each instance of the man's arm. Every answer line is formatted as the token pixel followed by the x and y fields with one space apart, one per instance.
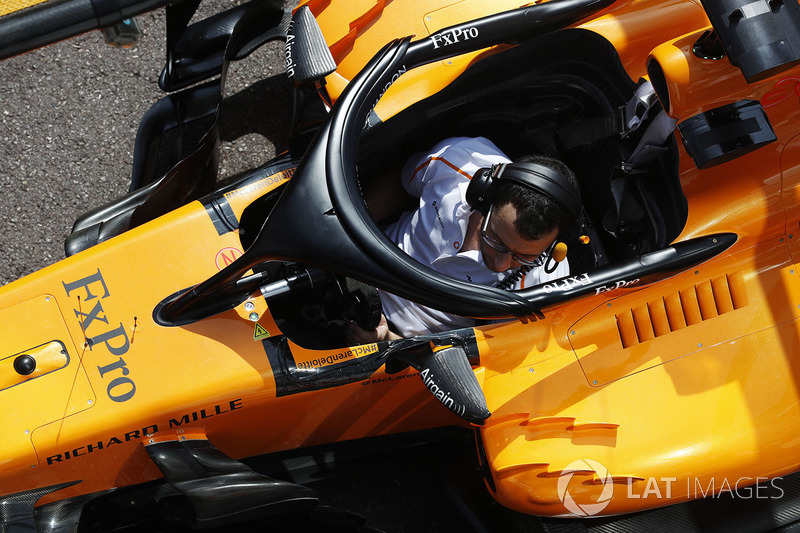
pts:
pixel 354 335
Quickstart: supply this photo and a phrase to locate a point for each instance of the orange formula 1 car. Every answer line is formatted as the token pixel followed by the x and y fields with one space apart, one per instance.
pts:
pixel 661 371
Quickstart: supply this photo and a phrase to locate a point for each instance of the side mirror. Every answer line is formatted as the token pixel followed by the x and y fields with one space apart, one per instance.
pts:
pixel 762 38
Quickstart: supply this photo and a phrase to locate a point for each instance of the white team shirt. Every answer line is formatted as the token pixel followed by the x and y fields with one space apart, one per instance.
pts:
pixel 434 233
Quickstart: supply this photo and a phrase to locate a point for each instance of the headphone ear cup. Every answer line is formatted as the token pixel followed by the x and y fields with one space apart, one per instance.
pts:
pixel 480 191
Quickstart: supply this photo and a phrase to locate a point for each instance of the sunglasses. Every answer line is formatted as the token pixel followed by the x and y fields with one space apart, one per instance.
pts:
pixel 498 246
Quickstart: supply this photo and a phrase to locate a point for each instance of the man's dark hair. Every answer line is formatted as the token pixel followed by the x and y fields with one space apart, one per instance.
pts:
pixel 537 214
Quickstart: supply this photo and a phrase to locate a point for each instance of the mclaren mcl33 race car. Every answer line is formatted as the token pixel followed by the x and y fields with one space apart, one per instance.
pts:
pixel 662 373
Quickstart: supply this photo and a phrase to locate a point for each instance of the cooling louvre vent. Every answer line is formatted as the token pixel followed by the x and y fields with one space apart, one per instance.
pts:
pixel 679 310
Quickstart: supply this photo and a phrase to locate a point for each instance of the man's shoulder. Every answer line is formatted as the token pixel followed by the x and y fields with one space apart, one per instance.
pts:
pixel 452 160
pixel 458 158
pixel 467 148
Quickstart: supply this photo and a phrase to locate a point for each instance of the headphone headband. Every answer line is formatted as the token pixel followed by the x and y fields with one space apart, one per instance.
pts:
pixel 541 178
pixel 545 180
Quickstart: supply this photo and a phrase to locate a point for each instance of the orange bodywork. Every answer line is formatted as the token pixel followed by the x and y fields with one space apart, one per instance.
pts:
pixel 136 381
pixel 678 389
pixel 8 7
pixel 681 389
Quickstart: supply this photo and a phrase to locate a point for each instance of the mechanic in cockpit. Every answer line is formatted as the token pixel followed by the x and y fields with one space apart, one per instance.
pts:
pixel 498 229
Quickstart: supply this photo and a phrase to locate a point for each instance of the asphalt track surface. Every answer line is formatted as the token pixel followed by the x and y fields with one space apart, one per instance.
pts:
pixel 68 122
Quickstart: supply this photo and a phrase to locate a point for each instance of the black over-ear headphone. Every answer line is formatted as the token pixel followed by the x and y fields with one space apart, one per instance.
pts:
pixel 541 178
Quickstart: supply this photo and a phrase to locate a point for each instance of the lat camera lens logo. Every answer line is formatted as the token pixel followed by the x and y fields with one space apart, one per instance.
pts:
pixel 585 466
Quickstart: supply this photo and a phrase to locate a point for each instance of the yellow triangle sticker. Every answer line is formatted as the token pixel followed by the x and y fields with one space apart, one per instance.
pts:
pixel 260 332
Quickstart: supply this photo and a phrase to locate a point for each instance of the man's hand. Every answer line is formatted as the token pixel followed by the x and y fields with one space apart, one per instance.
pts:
pixel 355 335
